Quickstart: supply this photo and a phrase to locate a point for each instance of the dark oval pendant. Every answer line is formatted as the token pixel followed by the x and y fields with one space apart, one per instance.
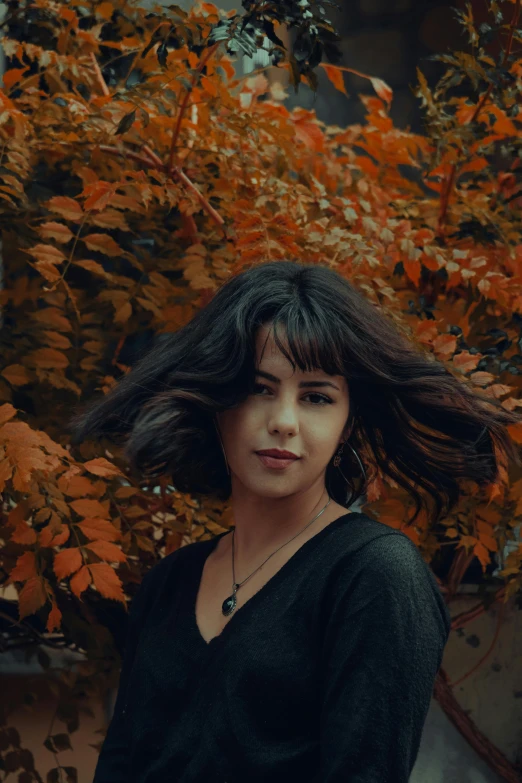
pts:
pixel 229 604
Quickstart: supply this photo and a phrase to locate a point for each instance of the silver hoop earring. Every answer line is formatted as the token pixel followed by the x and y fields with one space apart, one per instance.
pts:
pixel 337 460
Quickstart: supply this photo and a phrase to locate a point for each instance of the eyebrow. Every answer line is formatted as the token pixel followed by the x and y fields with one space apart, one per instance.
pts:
pixel 302 385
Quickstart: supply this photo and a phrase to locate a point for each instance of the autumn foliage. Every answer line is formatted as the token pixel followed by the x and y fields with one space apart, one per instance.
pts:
pixel 137 173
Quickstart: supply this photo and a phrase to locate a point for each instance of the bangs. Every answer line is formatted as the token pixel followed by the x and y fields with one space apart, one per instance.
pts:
pixel 307 342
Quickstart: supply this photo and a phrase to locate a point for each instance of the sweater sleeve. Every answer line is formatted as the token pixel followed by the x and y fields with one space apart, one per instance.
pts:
pixel 385 635
pixel 112 764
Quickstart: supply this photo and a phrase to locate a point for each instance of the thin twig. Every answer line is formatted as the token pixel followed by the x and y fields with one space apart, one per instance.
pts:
pixel 201 198
pixel 133 156
pixel 154 162
pixel 99 74
pixel 210 51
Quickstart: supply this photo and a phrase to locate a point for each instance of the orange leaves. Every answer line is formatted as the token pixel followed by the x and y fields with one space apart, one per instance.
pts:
pixel 24 569
pixel 308 131
pixel 282 184
pixel 47 256
pixel 102 467
pixel 53 230
pixel 16 374
pixel 335 74
pixel 103 243
pixel 7 412
pixel 67 562
pixel 96 528
pixel 382 89
pixel 105 580
pixel 86 507
pixel 107 551
pixel 105 10
pixel 31 597
pixel 336 77
pixel 48 358
pixel 99 194
pixel 13 76
pixel 67 207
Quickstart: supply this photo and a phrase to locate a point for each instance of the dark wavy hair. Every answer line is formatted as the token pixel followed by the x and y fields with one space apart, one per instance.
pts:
pixel 409 415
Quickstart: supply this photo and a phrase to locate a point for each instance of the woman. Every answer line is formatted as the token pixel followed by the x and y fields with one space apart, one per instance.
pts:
pixel 303 644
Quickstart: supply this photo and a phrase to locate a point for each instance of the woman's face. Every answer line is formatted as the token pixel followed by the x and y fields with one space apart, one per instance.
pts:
pixel 308 421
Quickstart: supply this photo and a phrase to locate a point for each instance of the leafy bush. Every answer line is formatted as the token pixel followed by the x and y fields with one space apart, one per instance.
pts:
pixel 138 172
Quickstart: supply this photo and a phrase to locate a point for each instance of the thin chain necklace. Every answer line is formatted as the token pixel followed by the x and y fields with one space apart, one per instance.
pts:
pixel 230 603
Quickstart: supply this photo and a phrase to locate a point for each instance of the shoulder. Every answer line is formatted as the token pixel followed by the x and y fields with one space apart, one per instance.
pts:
pixel 375 544
pixel 383 564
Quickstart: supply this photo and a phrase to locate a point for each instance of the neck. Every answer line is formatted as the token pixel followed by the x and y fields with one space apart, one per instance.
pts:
pixel 264 524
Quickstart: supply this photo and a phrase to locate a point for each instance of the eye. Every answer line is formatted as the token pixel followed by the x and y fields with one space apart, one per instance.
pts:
pixel 324 399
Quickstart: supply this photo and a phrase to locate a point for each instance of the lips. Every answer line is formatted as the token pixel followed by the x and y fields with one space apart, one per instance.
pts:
pixel 277 454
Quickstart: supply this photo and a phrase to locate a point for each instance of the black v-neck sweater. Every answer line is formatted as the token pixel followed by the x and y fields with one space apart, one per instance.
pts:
pixel 324 675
